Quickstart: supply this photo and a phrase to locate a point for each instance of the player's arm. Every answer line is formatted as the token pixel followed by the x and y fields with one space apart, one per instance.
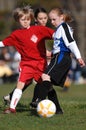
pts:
pixel 69 41
pixel 74 49
pixel 71 44
pixel 9 40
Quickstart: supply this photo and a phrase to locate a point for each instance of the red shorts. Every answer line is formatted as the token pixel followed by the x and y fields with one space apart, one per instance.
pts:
pixel 31 70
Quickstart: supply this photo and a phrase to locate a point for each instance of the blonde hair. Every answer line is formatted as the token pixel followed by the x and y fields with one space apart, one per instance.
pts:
pixel 66 15
pixel 26 10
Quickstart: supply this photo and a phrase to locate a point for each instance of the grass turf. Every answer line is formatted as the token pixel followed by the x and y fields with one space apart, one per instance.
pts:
pixel 73 103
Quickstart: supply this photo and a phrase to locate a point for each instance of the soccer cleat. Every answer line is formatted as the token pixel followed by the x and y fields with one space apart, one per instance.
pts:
pixel 9 110
pixel 59 112
pixel 6 99
pixel 34 104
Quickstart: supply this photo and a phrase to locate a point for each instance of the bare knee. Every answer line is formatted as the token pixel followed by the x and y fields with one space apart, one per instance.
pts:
pixel 20 85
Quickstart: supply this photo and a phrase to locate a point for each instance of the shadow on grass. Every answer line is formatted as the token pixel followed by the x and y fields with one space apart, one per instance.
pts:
pixel 26 108
pixel 33 112
pixel 22 107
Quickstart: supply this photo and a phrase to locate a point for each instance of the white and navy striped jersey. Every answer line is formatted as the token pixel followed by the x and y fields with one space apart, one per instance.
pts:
pixel 64 41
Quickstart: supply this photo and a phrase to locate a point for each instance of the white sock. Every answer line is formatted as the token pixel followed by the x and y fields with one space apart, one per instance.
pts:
pixel 15 98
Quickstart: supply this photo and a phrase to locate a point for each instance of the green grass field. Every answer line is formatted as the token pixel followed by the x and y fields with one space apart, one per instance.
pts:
pixel 73 103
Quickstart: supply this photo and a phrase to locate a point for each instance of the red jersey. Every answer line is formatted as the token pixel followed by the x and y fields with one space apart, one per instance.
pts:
pixel 30 43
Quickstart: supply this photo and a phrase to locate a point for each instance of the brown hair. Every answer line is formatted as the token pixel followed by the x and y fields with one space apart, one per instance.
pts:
pixel 66 14
pixel 19 12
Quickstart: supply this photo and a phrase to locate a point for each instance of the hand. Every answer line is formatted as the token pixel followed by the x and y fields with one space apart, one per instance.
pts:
pixel 45 77
pixel 81 62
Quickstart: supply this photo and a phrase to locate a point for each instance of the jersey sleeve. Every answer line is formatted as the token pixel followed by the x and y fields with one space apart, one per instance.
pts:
pixel 74 49
pixel 10 40
pixel 67 35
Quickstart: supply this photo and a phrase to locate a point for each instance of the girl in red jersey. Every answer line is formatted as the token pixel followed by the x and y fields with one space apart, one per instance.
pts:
pixel 32 51
pixel 19 16
pixel 41 18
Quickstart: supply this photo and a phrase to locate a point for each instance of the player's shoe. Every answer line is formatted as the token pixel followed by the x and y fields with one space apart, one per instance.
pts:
pixel 34 104
pixel 6 99
pixel 9 110
pixel 59 112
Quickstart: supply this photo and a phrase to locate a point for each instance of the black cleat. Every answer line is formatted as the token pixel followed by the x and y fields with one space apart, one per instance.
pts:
pixel 35 103
pixel 59 112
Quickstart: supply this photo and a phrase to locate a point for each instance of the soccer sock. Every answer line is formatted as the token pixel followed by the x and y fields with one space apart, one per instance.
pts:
pixel 15 98
pixel 44 88
pixel 11 93
pixel 53 97
pixel 36 92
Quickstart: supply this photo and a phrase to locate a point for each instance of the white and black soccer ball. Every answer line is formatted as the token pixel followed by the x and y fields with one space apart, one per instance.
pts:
pixel 46 108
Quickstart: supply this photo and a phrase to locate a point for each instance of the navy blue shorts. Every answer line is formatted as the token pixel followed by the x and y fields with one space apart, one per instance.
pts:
pixel 58 68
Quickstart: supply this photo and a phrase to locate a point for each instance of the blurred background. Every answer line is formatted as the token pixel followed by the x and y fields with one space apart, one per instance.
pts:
pixel 7 25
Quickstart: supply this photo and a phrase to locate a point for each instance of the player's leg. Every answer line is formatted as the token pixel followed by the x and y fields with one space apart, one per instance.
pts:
pixel 58 74
pixel 53 97
pixel 45 89
pixel 35 93
pixel 41 65
pixel 15 98
pixel 27 75
pixel 40 92
pixel 33 103
pixel 24 78
pixel 8 97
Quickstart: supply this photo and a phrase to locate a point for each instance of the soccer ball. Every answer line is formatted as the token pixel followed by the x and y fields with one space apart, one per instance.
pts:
pixel 46 108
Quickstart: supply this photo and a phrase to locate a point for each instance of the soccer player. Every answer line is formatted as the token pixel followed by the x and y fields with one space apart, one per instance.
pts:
pixel 64 45
pixel 32 51
pixel 41 18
